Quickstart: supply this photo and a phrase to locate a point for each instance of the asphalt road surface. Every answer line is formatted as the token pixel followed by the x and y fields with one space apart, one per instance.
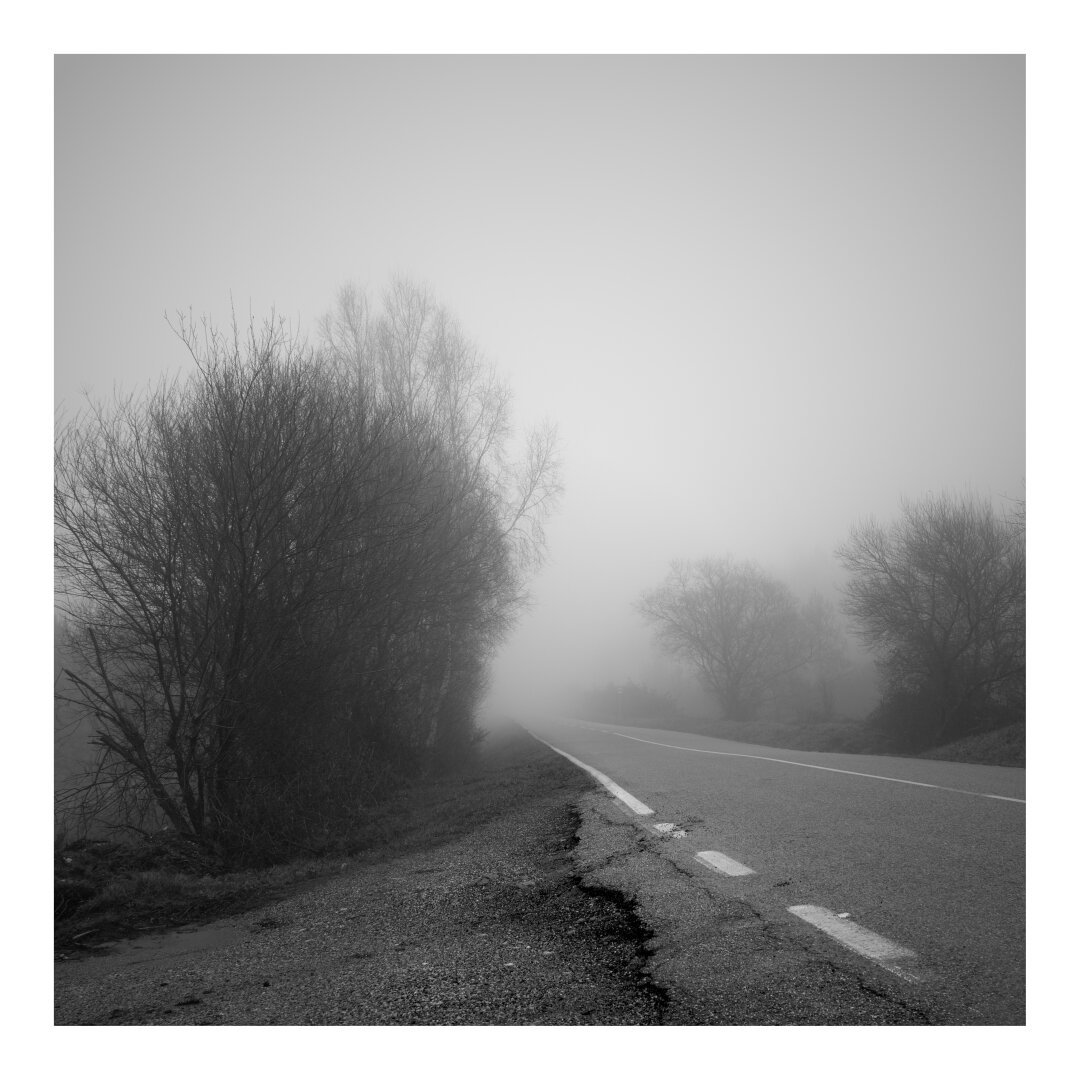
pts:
pixel 908 874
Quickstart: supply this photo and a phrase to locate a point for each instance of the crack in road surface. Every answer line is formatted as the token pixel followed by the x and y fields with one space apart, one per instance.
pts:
pixel 718 958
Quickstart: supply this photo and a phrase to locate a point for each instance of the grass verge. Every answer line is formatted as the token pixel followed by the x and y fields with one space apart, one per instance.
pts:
pixel 105 890
pixel 1005 746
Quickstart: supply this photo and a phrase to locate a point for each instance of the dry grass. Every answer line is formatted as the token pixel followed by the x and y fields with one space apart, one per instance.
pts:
pixel 1006 746
pixel 104 889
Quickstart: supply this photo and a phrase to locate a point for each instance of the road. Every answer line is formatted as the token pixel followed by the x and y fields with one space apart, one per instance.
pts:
pixel 907 870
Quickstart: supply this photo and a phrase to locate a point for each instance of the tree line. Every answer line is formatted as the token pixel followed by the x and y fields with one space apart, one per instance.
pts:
pixel 284 576
pixel 938 594
pixel 629 702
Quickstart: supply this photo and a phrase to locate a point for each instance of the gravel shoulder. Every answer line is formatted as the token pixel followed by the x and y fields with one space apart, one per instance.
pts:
pixel 492 927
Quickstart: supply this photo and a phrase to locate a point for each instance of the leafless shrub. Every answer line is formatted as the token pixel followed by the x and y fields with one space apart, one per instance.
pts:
pixel 284 576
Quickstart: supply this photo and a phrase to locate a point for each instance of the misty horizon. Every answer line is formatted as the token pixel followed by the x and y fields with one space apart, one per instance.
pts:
pixel 762 298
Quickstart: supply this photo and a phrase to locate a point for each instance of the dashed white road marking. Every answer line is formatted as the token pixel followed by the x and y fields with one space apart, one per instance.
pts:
pixel 668 828
pixel 824 768
pixel 622 794
pixel 716 860
pixel 882 951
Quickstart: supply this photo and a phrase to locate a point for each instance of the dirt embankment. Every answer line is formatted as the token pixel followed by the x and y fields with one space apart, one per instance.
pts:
pixel 485 923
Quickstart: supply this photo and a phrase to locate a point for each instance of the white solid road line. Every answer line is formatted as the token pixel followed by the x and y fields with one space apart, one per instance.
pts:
pixel 824 768
pixel 716 860
pixel 882 951
pixel 636 805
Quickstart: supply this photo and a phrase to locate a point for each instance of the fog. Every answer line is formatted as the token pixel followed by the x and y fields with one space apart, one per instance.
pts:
pixel 761 297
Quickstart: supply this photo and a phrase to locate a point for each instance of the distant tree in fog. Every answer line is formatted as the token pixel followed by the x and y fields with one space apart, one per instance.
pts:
pixel 939 594
pixel 629 703
pixel 829 662
pixel 743 632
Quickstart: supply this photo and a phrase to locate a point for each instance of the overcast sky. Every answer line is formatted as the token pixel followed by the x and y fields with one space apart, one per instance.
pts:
pixel 761 297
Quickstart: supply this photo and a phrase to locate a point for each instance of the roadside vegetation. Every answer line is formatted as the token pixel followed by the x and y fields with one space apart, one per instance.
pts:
pixel 281 579
pixel 638 706
pixel 110 888
pixel 1002 746
pixel 938 594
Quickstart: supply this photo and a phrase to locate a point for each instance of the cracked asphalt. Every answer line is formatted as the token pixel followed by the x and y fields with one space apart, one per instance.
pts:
pixel 716 957
pixel 493 928
pixel 562 909
pixel 924 862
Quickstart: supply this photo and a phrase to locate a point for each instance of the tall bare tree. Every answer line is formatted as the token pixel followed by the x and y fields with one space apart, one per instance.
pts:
pixel 480 521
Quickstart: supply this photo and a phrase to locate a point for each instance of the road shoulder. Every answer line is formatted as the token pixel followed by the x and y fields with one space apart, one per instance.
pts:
pixel 494 927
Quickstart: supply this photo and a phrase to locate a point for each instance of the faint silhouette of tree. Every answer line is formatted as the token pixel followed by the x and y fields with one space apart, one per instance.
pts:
pixel 939 594
pixel 743 632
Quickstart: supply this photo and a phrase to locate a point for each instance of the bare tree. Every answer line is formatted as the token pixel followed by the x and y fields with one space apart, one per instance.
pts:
pixel 743 632
pixel 285 577
pixel 939 594
pixel 199 536
pixel 478 524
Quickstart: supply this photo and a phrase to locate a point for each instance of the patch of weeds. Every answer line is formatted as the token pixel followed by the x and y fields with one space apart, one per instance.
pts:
pixel 509 769
pixel 104 889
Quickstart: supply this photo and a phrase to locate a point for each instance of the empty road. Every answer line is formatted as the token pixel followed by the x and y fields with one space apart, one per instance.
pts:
pixel 912 870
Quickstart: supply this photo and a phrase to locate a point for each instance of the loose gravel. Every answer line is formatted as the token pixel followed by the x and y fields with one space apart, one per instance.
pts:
pixel 490 928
